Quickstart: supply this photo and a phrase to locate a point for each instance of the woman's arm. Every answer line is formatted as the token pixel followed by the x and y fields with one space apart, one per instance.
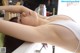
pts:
pixel 25 32
pixel 15 9
pixel 18 9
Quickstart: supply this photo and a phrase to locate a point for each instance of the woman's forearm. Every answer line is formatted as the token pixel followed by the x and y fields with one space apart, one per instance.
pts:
pixel 14 9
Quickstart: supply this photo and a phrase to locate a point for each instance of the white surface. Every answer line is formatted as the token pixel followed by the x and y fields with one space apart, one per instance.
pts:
pixel 32 47
pixel 71 9
pixel 61 50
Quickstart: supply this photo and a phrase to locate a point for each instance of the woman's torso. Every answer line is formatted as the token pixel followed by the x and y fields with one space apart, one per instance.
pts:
pixel 68 37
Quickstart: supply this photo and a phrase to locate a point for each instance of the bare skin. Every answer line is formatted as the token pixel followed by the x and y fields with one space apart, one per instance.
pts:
pixel 37 29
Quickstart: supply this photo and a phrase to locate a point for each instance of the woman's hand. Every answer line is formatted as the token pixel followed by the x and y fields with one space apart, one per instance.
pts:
pixel 29 18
